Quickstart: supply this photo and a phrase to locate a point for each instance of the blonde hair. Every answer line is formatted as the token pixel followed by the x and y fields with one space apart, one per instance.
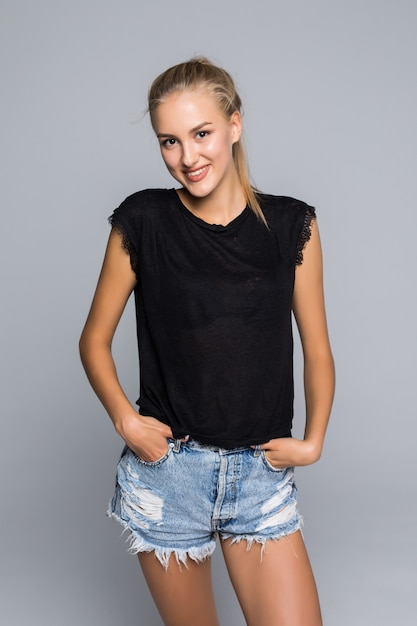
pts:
pixel 200 72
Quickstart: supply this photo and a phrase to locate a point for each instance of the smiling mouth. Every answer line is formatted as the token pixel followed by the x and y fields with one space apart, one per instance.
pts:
pixel 196 175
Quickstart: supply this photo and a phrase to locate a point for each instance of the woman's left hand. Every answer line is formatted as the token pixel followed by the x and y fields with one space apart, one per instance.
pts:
pixel 288 452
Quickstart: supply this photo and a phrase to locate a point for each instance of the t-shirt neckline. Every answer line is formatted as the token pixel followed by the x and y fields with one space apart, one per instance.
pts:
pixel 214 227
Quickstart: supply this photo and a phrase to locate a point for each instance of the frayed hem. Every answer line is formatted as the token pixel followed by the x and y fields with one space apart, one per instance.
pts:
pixel 261 540
pixel 137 545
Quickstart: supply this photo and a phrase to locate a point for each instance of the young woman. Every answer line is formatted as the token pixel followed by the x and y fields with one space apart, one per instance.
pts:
pixel 216 268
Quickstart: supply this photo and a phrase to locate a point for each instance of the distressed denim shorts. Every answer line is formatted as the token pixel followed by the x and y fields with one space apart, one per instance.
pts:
pixel 182 502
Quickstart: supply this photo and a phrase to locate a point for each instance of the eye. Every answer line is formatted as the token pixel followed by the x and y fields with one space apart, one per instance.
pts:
pixel 202 133
pixel 167 143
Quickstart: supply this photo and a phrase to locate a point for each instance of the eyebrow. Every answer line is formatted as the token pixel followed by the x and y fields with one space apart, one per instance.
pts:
pixel 193 130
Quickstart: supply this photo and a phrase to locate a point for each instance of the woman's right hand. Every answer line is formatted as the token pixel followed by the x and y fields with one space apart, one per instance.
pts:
pixel 145 436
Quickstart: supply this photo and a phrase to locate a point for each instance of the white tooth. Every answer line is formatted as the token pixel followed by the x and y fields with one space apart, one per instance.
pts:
pixel 196 173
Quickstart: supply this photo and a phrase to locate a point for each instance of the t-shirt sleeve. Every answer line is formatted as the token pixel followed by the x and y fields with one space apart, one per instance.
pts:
pixel 305 233
pixel 126 221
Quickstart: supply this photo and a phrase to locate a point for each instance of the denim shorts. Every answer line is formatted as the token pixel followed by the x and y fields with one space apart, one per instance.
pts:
pixel 182 502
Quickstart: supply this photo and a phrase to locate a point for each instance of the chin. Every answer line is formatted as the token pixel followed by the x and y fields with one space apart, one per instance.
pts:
pixel 199 193
pixel 199 190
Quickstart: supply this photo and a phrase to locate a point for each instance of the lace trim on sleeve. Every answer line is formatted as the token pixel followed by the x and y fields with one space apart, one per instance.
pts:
pixel 305 234
pixel 126 243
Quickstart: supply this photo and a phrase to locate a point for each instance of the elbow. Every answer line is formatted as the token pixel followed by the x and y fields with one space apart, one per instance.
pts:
pixel 320 360
pixel 315 452
pixel 316 456
pixel 92 345
pixel 83 347
pixel 86 344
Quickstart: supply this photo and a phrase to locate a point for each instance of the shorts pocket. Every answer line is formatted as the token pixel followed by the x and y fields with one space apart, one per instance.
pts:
pixel 158 461
pixel 269 466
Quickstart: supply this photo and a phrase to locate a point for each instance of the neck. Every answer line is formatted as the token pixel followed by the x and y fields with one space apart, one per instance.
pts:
pixel 221 208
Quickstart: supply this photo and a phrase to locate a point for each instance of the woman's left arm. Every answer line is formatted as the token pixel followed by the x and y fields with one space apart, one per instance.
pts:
pixel 319 376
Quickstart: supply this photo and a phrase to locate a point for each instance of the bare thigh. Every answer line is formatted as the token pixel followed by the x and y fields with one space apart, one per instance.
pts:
pixel 276 588
pixel 183 594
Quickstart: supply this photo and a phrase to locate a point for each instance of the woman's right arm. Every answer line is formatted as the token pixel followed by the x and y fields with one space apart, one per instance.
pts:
pixel 146 436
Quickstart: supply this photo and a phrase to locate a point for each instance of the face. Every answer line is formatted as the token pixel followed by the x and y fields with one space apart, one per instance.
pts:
pixel 196 142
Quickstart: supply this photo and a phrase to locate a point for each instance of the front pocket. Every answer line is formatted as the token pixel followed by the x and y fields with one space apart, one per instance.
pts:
pixel 158 461
pixel 269 465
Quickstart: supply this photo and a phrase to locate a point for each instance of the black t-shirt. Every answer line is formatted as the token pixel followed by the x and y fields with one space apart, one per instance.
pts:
pixel 213 308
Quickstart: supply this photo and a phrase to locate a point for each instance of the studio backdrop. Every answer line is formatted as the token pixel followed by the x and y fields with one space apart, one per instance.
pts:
pixel 329 96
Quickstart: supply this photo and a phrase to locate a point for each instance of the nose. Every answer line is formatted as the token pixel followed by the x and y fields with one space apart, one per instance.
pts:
pixel 190 155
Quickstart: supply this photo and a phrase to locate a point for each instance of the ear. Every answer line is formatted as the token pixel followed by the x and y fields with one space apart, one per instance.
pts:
pixel 236 126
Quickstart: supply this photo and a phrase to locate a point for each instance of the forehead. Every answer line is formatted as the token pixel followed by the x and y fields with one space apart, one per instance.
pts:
pixel 187 109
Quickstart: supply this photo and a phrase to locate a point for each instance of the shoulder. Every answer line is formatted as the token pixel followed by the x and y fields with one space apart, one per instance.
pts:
pixel 291 220
pixel 281 207
pixel 146 199
pixel 284 211
pixel 144 204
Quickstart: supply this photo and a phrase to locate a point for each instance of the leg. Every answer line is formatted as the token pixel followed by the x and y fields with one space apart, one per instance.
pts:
pixel 275 588
pixel 182 594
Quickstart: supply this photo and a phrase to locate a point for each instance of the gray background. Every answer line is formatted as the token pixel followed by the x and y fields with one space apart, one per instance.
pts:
pixel 330 103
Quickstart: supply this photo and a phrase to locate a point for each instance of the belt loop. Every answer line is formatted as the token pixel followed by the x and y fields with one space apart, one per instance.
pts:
pixel 257 450
pixel 177 445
